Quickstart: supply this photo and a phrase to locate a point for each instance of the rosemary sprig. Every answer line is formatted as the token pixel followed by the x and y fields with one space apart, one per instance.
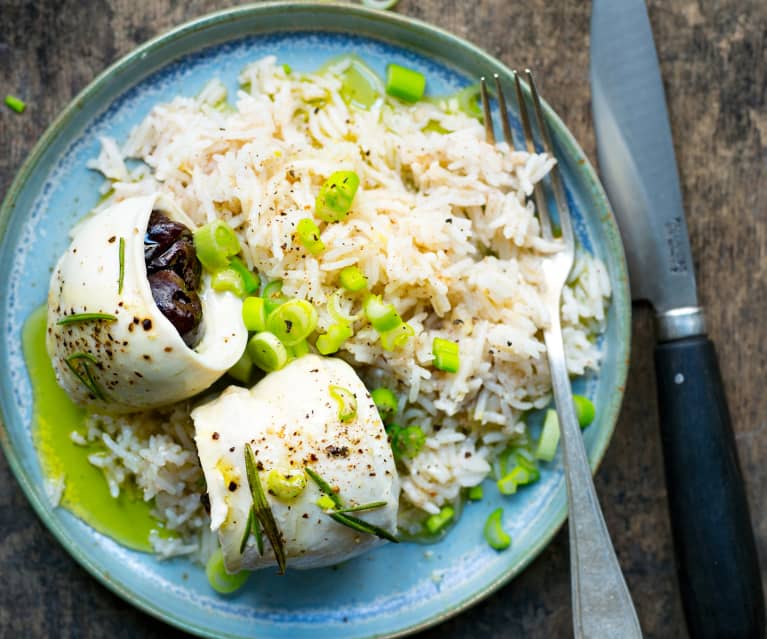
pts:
pixel 362 526
pixel 325 487
pixel 259 537
pixel 246 534
pixel 85 377
pixel 252 526
pixel 121 277
pixel 339 515
pixel 261 510
pixel 87 317
pixel 355 509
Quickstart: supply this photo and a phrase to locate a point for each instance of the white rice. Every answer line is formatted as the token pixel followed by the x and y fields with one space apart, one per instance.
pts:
pixel 443 228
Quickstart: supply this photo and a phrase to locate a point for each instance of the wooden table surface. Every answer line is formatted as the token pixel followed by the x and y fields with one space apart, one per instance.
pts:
pixel 713 55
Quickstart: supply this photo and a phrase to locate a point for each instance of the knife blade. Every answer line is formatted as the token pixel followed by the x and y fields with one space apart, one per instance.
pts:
pixel 640 170
pixel 717 562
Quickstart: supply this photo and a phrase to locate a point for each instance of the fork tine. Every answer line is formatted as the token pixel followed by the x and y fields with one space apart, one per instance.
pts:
pixel 540 196
pixel 507 134
pixel 526 128
pixel 556 181
pixel 487 114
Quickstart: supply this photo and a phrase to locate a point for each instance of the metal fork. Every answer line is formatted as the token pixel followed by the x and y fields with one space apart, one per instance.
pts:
pixel 602 606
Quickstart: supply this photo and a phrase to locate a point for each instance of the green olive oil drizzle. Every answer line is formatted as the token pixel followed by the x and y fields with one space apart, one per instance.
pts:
pixel 127 519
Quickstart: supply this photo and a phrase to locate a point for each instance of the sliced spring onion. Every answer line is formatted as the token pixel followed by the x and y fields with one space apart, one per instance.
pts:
pixel 248 530
pixel 87 317
pixel 525 472
pixel 121 257
pixel 85 377
pixel 405 84
pixel 254 313
pixel 434 127
pixel 261 509
pixel 361 525
pixel 334 308
pixel 220 580
pixel 397 337
pixel 509 457
pixel 373 505
pixel 353 279
pixel 547 444
pixel 250 280
pixel 380 4
pixel 273 289
pixel 336 195
pixel 285 487
pixel 273 296
pixel 550 433
pixel 242 369
pixel 436 523
pixel 292 322
pixel 325 488
pixel 523 451
pixel 530 466
pixel 494 533
pixel 584 409
pixel 308 234
pixel 216 243
pixel 360 85
pixel 384 317
pixel 326 503
pixel 446 356
pixel 468 101
pixel 347 402
pixel 17 104
pixel 299 350
pixel 407 441
pixel 505 461
pixel 476 493
pixel 228 279
pixel 267 351
pixel 330 342
pixel 385 401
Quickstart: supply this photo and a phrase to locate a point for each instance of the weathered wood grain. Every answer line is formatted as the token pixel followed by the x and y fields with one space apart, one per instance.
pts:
pixel 714 59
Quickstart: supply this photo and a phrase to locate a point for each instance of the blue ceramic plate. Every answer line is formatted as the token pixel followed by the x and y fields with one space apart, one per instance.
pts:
pixel 396 589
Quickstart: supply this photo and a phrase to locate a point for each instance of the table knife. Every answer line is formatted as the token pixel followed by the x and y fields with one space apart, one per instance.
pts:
pixel 716 557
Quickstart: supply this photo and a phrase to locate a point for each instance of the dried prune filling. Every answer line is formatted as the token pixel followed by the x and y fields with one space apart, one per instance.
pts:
pixel 174 274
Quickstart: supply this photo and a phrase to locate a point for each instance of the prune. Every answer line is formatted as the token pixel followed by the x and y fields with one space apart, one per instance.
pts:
pixel 174 274
pixel 161 232
pixel 178 303
pixel 181 258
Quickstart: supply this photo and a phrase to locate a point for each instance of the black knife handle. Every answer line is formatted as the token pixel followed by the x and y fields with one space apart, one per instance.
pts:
pixel 717 562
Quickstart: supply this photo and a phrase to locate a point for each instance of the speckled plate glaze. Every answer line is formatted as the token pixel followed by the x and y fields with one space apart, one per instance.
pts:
pixel 396 589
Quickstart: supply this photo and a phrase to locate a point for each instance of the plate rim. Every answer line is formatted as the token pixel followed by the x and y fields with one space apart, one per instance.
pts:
pixel 620 298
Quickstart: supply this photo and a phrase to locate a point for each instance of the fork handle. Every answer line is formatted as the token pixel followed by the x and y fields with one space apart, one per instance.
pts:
pixel 602 606
pixel 717 562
